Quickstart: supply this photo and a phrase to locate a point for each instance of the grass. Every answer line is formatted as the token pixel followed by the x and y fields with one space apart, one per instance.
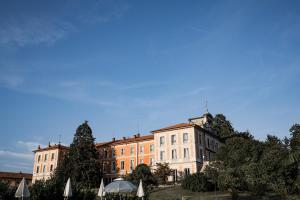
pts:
pixel 175 193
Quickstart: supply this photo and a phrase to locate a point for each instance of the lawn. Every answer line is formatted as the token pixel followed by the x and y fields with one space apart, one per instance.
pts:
pixel 175 193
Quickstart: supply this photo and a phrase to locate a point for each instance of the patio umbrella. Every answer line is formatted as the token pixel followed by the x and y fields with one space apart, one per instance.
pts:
pixel 68 190
pixel 22 190
pixel 120 186
pixel 101 192
pixel 140 193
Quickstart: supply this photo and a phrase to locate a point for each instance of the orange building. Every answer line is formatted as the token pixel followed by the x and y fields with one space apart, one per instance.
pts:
pixel 120 157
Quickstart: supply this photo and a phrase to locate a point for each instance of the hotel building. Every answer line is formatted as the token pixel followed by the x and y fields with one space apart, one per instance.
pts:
pixel 187 147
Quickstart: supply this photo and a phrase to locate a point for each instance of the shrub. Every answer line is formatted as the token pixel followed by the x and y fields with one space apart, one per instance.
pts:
pixel 197 182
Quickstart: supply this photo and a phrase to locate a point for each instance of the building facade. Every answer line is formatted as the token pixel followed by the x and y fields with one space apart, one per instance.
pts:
pixel 46 161
pixel 187 147
pixel 14 178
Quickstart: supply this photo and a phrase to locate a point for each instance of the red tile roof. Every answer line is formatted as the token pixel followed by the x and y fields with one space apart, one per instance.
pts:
pixel 127 140
pixel 15 175
pixel 56 146
pixel 174 127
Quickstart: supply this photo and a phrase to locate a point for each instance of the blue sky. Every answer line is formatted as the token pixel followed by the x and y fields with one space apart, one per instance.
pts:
pixel 141 65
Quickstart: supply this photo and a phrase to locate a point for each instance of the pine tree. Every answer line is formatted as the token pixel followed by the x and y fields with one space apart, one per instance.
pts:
pixel 81 163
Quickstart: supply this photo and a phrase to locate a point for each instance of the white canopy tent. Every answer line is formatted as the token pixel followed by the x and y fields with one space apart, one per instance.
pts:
pixel 120 186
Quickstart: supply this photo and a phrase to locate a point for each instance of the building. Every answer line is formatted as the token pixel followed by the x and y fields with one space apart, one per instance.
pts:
pixel 120 157
pixel 14 178
pixel 46 160
pixel 187 147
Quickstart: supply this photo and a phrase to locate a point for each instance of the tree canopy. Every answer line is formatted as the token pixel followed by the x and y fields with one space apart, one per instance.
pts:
pixel 81 163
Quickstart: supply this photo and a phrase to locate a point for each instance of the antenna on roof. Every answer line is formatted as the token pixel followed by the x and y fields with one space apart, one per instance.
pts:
pixel 206 107
pixel 138 127
pixel 59 137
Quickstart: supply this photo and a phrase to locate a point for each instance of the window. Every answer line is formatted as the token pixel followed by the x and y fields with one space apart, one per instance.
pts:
pixel 46 157
pixel 141 149
pixel 186 153
pixel 38 169
pixel 162 140
pixel 151 161
pixel 52 156
pixel 51 168
pixel 162 155
pixel 122 152
pixel 217 146
pixel 208 143
pixel 113 166
pixel 174 154
pixel 39 158
pixel 201 155
pixel 173 139
pixel 186 171
pixel 151 147
pixel 132 164
pixel 122 165
pixel 44 168
pixel 185 137
pixel 131 150
pixel 113 153
pixel 141 161
pixel 200 138
pixel 105 154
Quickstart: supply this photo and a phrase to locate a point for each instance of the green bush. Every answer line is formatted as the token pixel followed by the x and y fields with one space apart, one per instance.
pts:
pixel 7 192
pixel 197 182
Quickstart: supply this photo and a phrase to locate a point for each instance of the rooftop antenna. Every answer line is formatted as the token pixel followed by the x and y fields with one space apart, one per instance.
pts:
pixel 59 137
pixel 138 126
pixel 206 107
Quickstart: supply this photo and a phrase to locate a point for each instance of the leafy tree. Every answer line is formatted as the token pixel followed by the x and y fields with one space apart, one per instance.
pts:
pixel 81 163
pixel 162 172
pixel 47 190
pixel 197 182
pixel 294 157
pixel 239 151
pixel 221 126
pixel 7 192
pixel 142 171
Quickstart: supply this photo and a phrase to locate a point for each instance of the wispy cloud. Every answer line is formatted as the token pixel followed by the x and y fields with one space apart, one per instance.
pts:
pixel 33 31
pixel 103 11
pixel 27 156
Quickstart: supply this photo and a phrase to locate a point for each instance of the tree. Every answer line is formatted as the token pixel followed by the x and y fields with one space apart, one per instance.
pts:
pixel 197 182
pixel 239 151
pixel 162 172
pixel 142 171
pixel 221 126
pixel 81 163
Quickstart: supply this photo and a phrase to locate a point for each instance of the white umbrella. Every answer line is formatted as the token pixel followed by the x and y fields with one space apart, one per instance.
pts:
pixel 120 186
pixel 101 192
pixel 68 189
pixel 22 190
pixel 140 192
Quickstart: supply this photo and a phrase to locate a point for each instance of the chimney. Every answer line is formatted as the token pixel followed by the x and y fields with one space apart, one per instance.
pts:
pixel 134 136
pixel 39 147
pixel 124 138
pixel 49 145
pixel 138 135
pixel 113 139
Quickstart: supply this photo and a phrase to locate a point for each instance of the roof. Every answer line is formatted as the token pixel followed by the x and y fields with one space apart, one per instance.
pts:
pixel 15 175
pixel 174 127
pixel 136 138
pixel 51 147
